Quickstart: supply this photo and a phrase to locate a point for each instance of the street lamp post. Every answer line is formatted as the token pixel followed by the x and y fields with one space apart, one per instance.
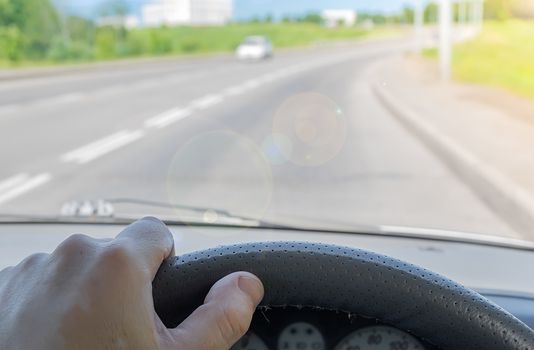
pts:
pixel 462 11
pixel 445 38
pixel 419 22
pixel 480 13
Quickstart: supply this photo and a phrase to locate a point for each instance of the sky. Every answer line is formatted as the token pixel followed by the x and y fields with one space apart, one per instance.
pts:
pixel 246 9
pixel 249 8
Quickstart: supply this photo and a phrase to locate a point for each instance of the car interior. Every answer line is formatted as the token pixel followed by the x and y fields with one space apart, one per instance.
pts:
pixel 369 161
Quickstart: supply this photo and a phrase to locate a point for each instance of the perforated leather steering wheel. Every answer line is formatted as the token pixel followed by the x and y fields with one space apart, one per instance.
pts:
pixel 360 282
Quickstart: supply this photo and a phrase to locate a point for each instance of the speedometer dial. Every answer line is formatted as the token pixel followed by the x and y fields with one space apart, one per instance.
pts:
pixel 301 335
pixel 250 342
pixel 379 338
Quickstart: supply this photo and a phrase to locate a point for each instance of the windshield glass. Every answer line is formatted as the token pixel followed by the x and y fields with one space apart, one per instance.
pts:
pixel 386 113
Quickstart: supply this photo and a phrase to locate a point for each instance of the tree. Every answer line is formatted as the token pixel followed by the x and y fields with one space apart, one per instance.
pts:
pixel 36 23
pixel 287 19
pixel 80 29
pixel 11 43
pixel 407 15
pixel 113 8
pixel 431 13
pixel 311 17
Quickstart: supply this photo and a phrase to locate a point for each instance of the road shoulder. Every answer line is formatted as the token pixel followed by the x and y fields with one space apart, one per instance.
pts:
pixel 485 144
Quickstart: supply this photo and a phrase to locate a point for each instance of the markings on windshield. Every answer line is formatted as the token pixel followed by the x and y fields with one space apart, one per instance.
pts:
pixel 22 183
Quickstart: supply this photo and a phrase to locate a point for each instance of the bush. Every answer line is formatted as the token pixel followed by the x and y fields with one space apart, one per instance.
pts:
pixel 71 51
pixel 105 43
pixel 137 43
pixel 160 41
pixel 11 44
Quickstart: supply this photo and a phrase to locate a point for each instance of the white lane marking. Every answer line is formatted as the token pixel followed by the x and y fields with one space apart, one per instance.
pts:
pixel 251 84
pixel 21 184
pixel 101 147
pixel 234 90
pixel 68 98
pixel 206 101
pixel 12 181
pixel 168 118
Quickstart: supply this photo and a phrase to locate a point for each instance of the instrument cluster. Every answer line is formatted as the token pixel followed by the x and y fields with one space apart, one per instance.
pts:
pixel 311 329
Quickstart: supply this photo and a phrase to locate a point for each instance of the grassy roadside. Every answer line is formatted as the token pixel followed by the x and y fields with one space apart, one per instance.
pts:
pixel 110 45
pixel 502 56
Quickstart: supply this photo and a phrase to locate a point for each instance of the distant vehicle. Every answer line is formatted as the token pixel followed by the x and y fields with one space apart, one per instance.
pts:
pixel 255 48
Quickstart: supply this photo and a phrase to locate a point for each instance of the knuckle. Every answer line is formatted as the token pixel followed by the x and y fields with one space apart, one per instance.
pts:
pixel 31 262
pixel 75 244
pixel 117 255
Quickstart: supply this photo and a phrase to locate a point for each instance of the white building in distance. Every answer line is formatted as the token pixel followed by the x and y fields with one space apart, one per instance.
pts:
pixel 187 12
pixel 334 18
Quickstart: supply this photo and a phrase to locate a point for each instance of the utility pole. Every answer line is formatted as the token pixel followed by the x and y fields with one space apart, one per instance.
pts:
pixel 462 12
pixel 472 12
pixel 480 14
pixel 418 23
pixel 445 38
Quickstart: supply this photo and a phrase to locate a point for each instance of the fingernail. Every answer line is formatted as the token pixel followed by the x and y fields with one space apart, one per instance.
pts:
pixel 251 286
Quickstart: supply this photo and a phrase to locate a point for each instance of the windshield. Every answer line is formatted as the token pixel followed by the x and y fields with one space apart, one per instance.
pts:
pixel 381 113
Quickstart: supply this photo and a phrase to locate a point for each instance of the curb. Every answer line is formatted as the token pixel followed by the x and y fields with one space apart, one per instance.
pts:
pixel 509 201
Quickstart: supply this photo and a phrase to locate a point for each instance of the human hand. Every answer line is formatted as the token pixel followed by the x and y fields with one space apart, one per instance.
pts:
pixel 97 294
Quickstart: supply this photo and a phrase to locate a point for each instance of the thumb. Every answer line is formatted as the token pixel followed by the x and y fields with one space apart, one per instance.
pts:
pixel 224 317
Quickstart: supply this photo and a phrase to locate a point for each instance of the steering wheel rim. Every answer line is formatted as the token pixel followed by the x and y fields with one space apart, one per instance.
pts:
pixel 355 281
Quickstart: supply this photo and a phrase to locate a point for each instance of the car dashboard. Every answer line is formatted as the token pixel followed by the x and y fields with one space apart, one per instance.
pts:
pixel 291 328
pixel 500 272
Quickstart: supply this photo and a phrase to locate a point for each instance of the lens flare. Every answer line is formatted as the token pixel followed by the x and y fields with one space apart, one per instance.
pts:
pixel 314 127
pixel 276 148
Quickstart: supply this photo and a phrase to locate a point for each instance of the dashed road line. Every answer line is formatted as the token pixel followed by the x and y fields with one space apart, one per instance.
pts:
pixel 12 181
pixel 234 90
pixel 206 101
pixel 251 84
pixel 101 147
pixel 20 184
pixel 167 118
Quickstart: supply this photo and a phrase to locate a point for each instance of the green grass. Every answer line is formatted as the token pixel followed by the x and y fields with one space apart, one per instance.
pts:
pixel 501 56
pixel 108 44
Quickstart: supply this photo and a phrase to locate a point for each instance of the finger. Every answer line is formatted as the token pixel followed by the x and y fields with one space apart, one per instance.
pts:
pixel 225 316
pixel 150 242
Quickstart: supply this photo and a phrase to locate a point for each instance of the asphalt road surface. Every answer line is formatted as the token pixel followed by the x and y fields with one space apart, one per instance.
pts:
pixel 299 138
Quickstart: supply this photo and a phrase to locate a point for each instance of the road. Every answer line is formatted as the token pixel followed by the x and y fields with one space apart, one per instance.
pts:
pixel 300 138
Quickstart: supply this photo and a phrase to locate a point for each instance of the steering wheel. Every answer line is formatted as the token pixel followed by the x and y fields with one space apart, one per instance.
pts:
pixel 356 281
